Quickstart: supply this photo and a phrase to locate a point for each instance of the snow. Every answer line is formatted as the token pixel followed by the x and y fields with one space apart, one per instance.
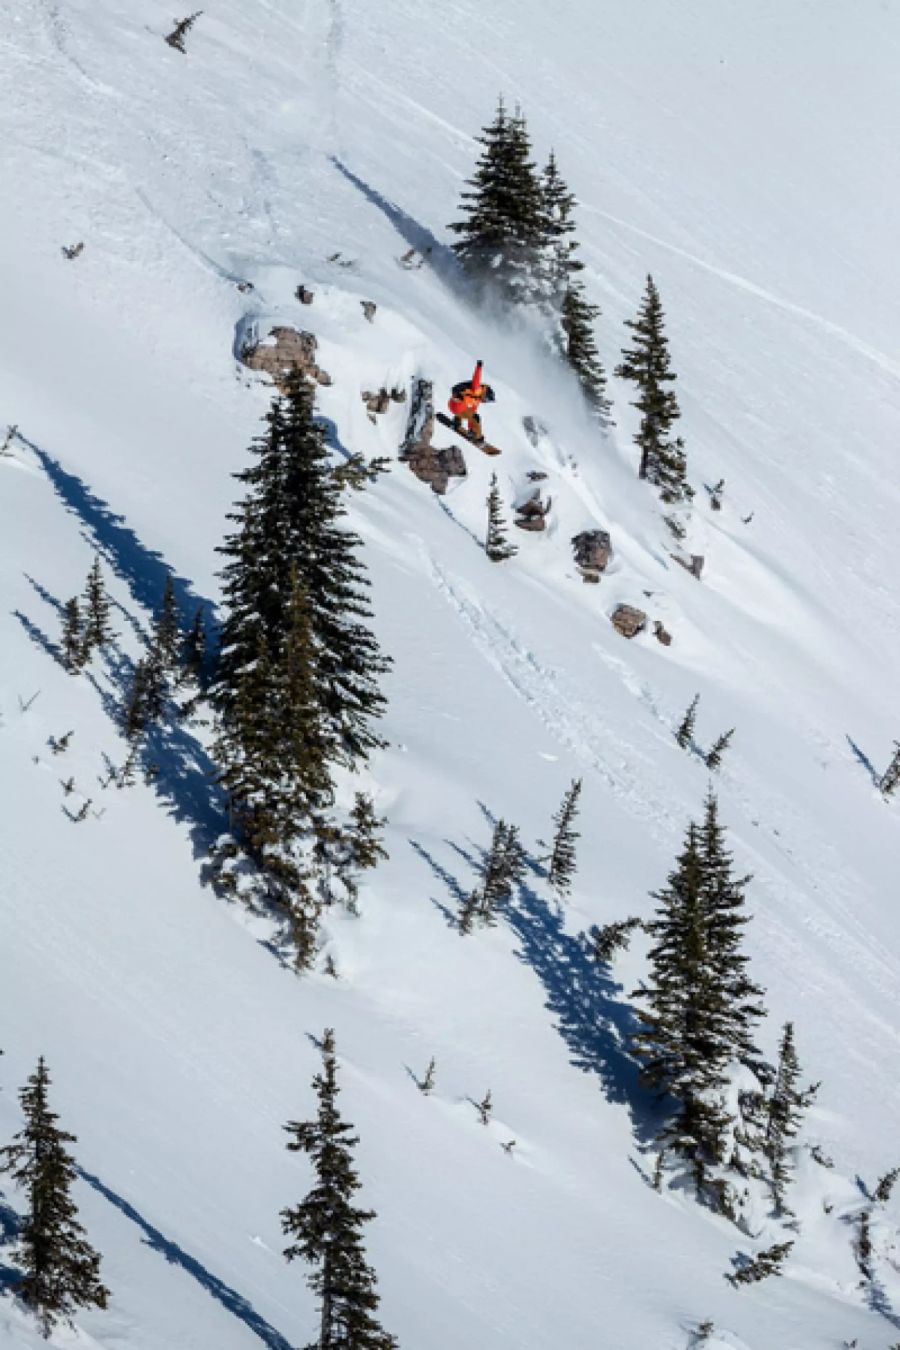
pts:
pixel 744 155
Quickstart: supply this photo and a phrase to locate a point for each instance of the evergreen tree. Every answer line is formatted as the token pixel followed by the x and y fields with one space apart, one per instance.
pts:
pixel 579 348
pixel 180 31
pixel 700 1004
pixel 561 869
pixel 72 637
pixel 326 1227
pixel 864 1250
pixel 783 1116
pixel 496 545
pixel 193 650
pixel 890 779
pixel 559 245
pixel 60 1270
pixel 884 1185
pixel 647 364
pixel 358 847
pixel 292 517
pixel 296 688
pixel 720 745
pixel 166 641
pixel 613 937
pixel 764 1264
pixel 504 866
pixel 274 749
pixel 502 233
pixel 137 705
pixel 97 626
pixel 685 733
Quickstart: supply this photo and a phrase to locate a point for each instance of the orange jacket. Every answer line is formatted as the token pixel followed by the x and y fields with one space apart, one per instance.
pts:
pixel 468 397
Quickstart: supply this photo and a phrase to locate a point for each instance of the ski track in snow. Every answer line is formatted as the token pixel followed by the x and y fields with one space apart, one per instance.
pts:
pixel 818 901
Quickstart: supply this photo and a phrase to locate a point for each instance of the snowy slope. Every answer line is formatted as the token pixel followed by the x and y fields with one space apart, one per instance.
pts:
pixel 745 155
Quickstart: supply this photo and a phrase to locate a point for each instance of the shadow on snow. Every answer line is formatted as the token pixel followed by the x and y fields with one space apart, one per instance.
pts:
pixel 229 1298
pixel 183 771
pixel 585 1000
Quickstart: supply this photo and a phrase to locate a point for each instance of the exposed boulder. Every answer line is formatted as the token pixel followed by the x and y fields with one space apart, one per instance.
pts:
pixel 662 634
pixel 532 512
pixel 593 550
pixel 286 352
pixel 305 295
pixel 436 467
pixel 628 621
pixel 432 466
pixel 368 308
pixel 376 403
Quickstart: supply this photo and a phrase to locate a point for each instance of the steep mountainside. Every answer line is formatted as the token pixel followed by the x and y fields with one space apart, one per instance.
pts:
pixel 745 155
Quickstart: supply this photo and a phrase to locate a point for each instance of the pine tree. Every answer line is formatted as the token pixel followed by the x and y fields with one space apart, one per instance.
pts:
pixel 72 637
pixel 783 1116
pixel 426 1084
pixel 193 650
pixel 647 364
pixel 614 937
pixel 60 1270
pixel 685 733
pixel 292 517
pixel 764 1264
pixel 137 705
pixel 579 348
pixel 326 1227
pixel 561 869
pixel 559 245
pixel 714 755
pixel 484 1108
pixel 890 779
pixel 700 1005
pixel 502 233
pixel 864 1250
pixel 167 639
pixel 885 1186
pixel 496 545
pixel 180 31
pixel 97 626
pixel 504 866
pixel 296 687
pixel 274 749
pixel 358 848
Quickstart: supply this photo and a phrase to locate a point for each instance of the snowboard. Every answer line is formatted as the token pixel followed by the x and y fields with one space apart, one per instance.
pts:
pixel 484 447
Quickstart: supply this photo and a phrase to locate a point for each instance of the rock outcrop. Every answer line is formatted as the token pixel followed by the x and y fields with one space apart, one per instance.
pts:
pixel 628 621
pixel 532 512
pixel 593 550
pixel 288 350
pixel 431 465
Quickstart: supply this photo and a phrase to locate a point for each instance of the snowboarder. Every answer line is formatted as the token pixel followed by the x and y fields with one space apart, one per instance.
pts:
pixel 466 400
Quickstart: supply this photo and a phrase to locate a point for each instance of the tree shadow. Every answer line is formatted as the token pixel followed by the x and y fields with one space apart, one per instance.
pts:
pixel 40 638
pixel 862 758
pixel 10 1277
pixel 144 571
pixel 229 1298
pixel 585 1001
pixel 452 883
pixel 183 774
pixel 440 258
